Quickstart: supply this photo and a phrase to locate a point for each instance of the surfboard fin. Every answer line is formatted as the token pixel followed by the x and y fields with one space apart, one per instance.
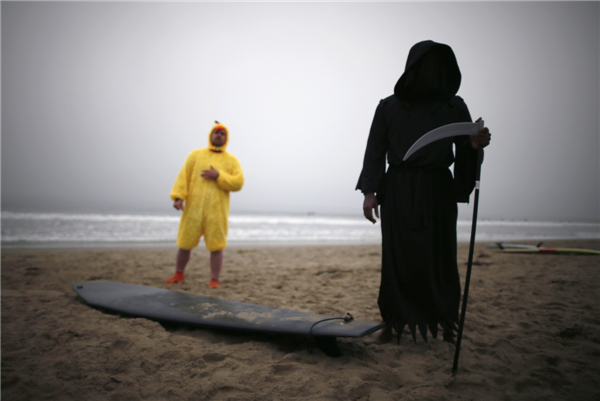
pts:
pixel 328 345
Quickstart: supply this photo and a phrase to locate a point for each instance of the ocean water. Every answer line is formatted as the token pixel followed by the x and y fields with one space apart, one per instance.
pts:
pixel 53 229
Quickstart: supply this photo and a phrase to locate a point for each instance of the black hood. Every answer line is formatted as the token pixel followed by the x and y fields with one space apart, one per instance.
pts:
pixel 431 73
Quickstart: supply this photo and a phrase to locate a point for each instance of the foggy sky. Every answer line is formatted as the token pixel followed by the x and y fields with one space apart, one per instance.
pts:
pixel 102 102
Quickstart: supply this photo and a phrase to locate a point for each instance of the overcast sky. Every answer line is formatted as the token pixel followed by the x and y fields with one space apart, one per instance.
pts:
pixel 102 102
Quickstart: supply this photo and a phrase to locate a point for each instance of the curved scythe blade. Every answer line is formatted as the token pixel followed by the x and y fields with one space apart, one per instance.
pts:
pixel 444 131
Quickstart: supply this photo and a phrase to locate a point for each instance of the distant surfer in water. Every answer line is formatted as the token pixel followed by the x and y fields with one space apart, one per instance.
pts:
pixel 420 284
pixel 203 184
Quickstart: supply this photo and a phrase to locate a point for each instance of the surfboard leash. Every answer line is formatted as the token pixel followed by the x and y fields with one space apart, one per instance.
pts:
pixel 347 318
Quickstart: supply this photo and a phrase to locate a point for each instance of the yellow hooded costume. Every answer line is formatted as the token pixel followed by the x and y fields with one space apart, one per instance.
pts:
pixel 206 209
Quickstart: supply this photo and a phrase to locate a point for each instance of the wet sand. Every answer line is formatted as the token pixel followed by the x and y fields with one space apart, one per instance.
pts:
pixel 532 329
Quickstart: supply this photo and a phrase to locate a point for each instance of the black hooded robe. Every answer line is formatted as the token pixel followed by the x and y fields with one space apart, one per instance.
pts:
pixel 420 285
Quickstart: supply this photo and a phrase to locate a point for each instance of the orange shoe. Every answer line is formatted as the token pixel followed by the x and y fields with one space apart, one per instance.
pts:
pixel 176 279
pixel 214 284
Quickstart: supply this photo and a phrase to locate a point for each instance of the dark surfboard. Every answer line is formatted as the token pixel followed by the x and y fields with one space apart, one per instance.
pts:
pixel 204 311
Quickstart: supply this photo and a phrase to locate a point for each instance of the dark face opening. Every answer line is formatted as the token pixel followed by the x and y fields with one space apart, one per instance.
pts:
pixel 428 78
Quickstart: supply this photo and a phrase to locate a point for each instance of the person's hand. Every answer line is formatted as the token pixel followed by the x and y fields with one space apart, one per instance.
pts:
pixel 178 204
pixel 482 138
pixel 370 204
pixel 211 174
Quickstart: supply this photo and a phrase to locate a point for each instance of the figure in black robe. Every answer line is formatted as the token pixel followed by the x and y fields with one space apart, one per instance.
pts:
pixel 420 284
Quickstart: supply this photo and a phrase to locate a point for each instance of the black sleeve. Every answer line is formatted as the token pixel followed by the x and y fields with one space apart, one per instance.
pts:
pixel 465 160
pixel 374 162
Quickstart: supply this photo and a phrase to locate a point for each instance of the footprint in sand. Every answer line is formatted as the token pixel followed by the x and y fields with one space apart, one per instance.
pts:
pixel 283 370
pixel 213 357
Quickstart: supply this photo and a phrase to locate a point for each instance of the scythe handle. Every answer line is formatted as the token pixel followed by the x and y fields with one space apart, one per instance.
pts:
pixel 463 312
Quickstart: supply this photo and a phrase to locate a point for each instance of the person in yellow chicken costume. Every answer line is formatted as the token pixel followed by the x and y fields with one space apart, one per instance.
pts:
pixel 203 184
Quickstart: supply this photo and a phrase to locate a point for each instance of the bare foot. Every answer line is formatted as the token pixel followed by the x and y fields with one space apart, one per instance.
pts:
pixel 449 337
pixel 384 337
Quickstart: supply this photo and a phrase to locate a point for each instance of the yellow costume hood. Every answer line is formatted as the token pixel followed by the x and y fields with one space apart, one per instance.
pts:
pixel 222 148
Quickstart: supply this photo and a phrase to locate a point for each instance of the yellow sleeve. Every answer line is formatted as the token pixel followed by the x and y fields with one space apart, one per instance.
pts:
pixel 180 188
pixel 233 179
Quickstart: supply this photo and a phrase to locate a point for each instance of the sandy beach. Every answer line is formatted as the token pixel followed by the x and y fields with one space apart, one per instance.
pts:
pixel 532 329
